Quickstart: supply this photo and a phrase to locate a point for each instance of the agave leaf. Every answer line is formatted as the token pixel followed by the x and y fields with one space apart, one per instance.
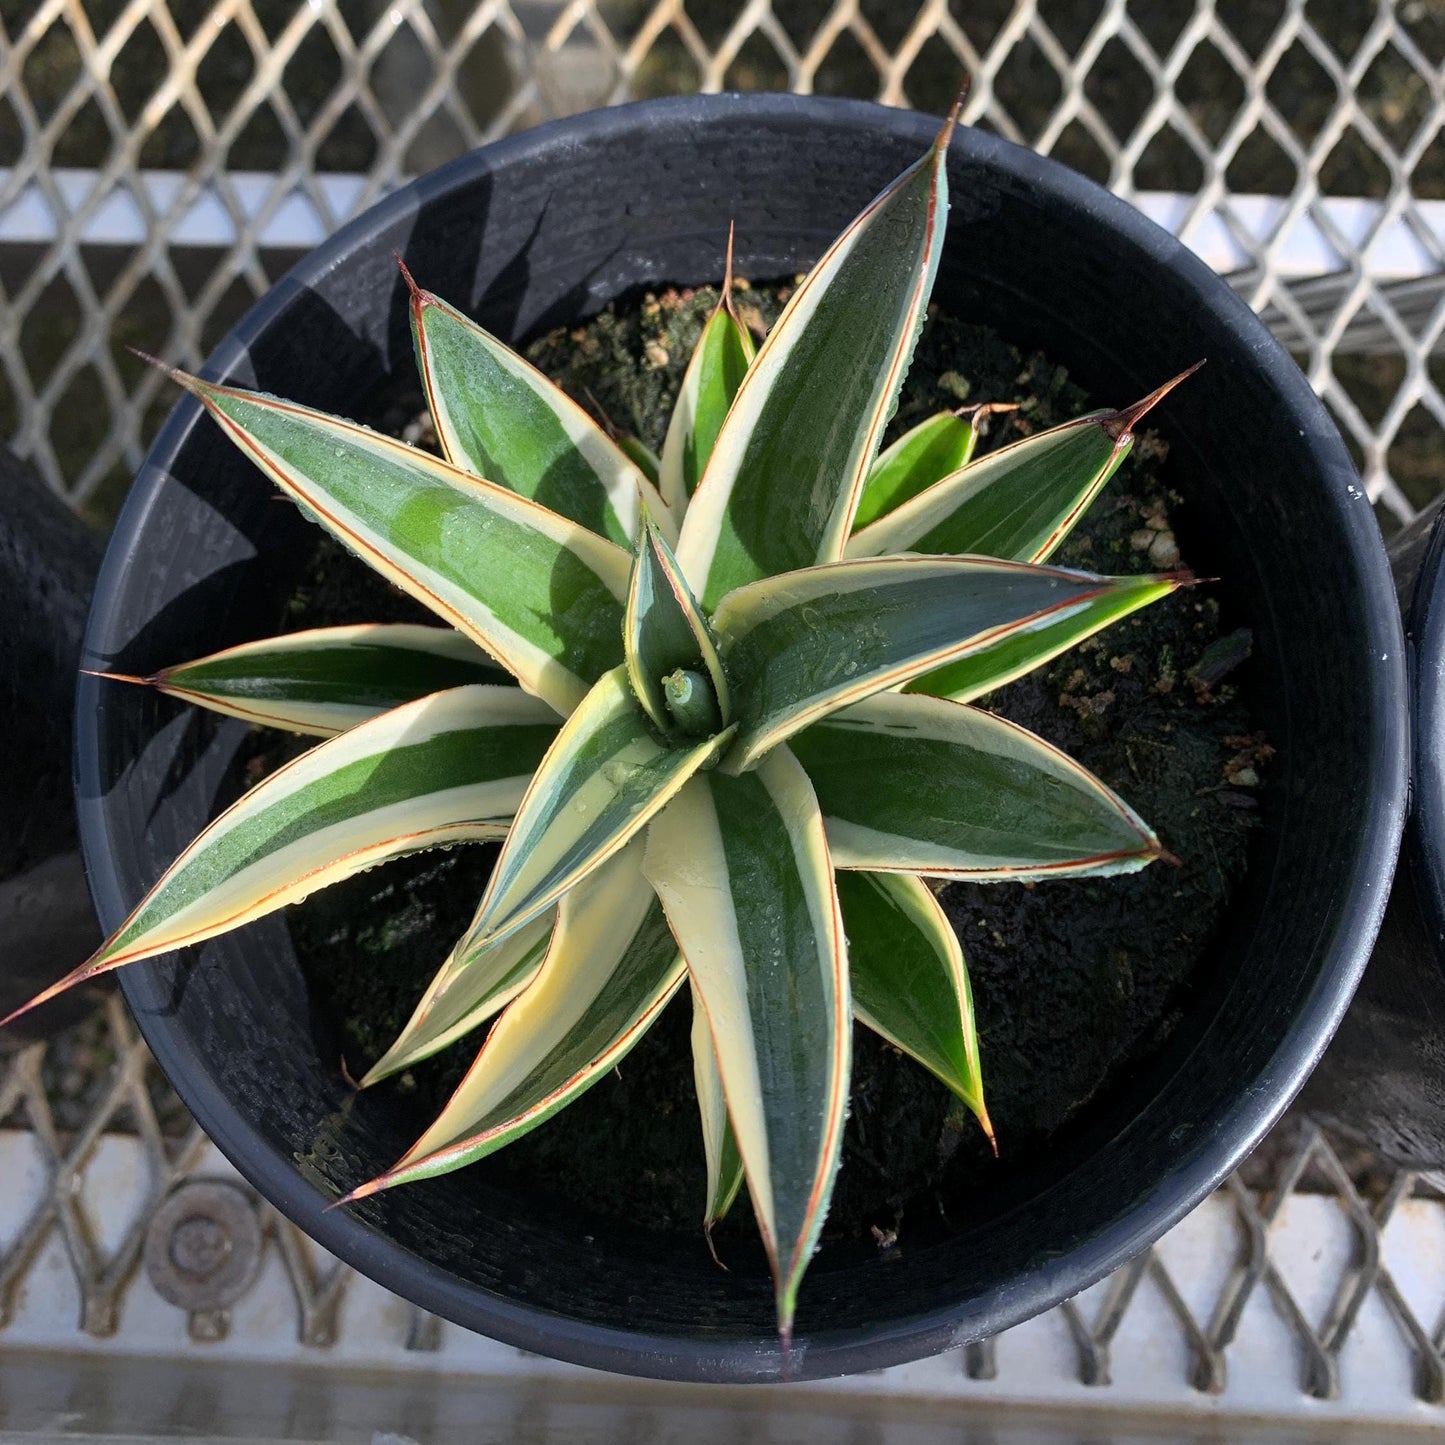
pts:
pixel 909 980
pixel 928 452
pixel 909 986
pixel 500 418
pixel 1020 502
pixel 720 1147
pixel 327 680
pixel 603 778
pixel 611 967
pixel 742 868
pixel 641 456
pixel 540 593
pixel 470 987
pixel 448 768
pixel 663 630
pixel 800 646
pixel 714 373
pixel 1001 662
pixel 785 475
pixel 922 785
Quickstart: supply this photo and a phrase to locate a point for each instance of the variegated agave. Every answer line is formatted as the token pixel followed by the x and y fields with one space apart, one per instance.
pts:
pixel 742 736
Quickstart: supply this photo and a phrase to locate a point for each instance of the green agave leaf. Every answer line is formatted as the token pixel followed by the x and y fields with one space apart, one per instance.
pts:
pixel 742 868
pixel 1014 656
pixel 603 778
pixel 449 768
pixel 922 785
pixel 611 968
pixel 664 630
pixel 327 680
pixel 720 1147
pixel 785 474
pixel 922 456
pixel 1018 503
pixel 500 418
pixel 719 362
pixel 641 456
pixel 800 646
pixel 540 593
pixel 909 980
pixel 909 985
pixel 471 986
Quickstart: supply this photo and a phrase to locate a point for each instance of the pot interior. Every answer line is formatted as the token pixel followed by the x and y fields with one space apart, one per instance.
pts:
pixel 547 229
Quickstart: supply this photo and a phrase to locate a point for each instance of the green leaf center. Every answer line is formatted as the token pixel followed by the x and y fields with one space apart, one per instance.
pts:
pixel 691 703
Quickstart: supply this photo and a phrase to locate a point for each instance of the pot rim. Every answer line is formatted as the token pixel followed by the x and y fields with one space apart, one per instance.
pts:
pixel 1301 1043
pixel 1425 837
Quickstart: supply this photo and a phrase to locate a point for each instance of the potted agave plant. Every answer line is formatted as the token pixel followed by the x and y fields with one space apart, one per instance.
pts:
pixel 718 707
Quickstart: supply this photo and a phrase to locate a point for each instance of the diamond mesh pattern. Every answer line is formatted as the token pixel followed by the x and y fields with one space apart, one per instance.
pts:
pixel 1299 1160
pixel 137 112
pixel 1221 103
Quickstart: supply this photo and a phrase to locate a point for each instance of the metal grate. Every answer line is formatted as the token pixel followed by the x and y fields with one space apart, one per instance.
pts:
pixel 157 154
pixel 161 161
pixel 1312 1284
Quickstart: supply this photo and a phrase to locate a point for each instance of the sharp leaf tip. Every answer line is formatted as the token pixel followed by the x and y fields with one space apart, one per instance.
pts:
pixel 117 676
pixel 418 296
pixel 1120 424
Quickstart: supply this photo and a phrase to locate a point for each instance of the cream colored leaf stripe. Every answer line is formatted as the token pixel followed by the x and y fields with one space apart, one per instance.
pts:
pixel 540 593
pixel 500 418
pixel 610 970
pixel 922 785
pixel 603 778
pixel 323 681
pixel 742 867
pixel 805 644
pixel 788 467
pixel 469 988
pixel 445 769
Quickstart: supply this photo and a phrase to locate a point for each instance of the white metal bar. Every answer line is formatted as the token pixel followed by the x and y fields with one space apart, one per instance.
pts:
pixel 1400 252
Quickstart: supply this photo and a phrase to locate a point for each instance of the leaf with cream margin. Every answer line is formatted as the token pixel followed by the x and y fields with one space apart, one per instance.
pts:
pixel 918 784
pixel 604 777
pixel 714 373
pixel 910 984
pixel 935 448
pixel 789 463
pixel 803 645
pixel 542 594
pixel 470 987
pixel 663 630
pixel 719 1147
pixel 1013 656
pixel 500 418
pixel 741 865
pixel 1020 502
pixel 329 679
pixel 610 969
pixel 448 768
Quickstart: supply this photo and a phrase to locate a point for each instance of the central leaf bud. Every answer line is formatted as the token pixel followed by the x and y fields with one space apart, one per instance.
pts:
pixel 692 703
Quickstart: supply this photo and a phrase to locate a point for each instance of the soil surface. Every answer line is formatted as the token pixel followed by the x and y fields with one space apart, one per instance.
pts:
pixel 1074 982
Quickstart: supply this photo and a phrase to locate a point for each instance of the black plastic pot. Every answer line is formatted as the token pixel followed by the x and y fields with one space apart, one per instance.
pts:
pixel 547 228
pixel 1382 1080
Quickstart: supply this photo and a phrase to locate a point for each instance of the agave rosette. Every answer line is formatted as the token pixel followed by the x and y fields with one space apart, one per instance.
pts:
pixel 742 737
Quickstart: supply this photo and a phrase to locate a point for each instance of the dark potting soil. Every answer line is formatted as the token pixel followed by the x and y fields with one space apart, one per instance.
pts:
pixel 1075 982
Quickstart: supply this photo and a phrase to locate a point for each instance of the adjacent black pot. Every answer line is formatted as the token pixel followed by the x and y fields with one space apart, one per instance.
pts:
pixel 1382 1080
pixel 48 562
pixel 547 228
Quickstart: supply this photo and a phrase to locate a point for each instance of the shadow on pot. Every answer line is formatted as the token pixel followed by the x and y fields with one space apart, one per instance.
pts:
pixel 48 562
pixel 1382 1080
